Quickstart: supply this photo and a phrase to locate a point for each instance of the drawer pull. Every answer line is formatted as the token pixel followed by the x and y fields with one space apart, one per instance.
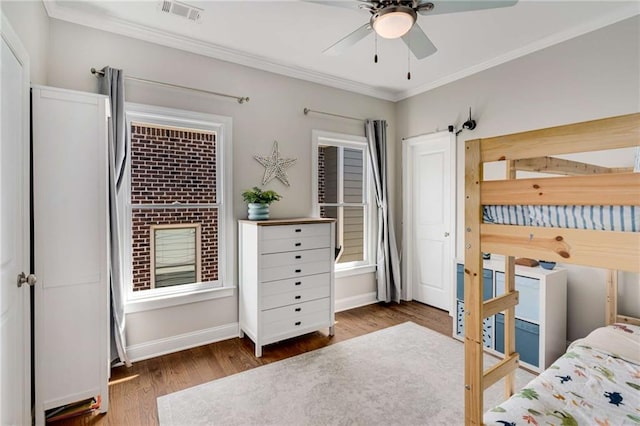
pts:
pixel 298 244
pixel 298 283
pixel 298 309
pixel 298 271
pixel 298 257
pixel 298 230
pixel 298 322
pixel 298 297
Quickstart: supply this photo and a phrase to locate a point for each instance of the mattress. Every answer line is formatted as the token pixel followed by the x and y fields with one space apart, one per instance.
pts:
pixel 596 382
pixel 603 218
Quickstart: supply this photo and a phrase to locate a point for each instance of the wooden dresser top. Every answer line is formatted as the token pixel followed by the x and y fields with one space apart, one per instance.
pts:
pixel 292 221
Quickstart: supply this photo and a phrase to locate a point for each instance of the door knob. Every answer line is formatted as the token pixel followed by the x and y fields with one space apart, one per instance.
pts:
pixel 446 234
pixel 26 279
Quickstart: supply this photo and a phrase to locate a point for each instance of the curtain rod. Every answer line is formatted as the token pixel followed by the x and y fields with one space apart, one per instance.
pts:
pixel 240 99
pixel 450 129
pixel 307 111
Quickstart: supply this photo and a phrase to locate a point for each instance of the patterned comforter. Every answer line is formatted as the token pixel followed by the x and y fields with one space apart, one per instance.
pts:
pixel 596 382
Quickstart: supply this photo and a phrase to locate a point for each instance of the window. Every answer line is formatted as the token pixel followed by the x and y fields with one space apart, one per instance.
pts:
pixel 342 191
pixel 175 208
pixel 175 255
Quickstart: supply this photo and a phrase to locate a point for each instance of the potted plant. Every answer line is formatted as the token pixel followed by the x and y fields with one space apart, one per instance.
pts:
pixel 258 202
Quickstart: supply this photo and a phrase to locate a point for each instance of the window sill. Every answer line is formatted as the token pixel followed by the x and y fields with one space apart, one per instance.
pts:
pixel 356 270
pixel 167 301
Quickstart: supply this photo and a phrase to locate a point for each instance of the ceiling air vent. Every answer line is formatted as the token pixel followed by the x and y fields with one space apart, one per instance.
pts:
pixel 183 10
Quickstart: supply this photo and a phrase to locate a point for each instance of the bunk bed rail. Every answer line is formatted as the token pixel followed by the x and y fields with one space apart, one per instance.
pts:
pixel 596 135
pixel 576 246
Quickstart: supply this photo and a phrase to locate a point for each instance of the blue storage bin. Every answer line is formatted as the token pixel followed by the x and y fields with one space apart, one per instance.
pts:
pixel 487 293
pixel 487 289
pixel 527 339
pixel 487 326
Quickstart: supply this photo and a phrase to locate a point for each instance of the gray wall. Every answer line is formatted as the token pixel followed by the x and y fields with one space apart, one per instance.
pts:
pixel 273 113
pixel 30 21
pixel 592 76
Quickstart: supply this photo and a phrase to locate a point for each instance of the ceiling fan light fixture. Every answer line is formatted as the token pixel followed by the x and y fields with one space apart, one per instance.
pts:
pixel 393 21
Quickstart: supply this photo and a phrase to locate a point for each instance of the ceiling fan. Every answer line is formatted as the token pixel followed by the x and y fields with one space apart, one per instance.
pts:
pixel 397 18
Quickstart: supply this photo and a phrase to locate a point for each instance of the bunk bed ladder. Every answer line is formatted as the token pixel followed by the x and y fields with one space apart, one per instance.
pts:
pixel 476 378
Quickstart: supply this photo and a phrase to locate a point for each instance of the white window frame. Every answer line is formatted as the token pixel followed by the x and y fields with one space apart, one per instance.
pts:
pixel 324 138
pixel 224 286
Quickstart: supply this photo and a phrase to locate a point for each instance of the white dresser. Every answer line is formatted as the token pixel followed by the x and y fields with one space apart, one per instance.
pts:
pixel 70 247
pixel 286 278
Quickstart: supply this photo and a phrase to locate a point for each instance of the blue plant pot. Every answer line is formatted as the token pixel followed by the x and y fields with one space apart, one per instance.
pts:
pixel 258 211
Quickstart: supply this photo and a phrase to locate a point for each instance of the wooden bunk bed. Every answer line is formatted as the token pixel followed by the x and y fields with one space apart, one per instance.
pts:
pixel 586 186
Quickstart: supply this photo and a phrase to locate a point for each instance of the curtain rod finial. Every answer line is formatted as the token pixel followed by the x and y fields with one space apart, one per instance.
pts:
pixel 306 111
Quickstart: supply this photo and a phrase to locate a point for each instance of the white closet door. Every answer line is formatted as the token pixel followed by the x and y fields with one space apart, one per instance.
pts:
pixel 430 218
pixel 15 327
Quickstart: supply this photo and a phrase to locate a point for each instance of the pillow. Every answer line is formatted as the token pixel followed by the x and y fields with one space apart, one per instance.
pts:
pixel 620 340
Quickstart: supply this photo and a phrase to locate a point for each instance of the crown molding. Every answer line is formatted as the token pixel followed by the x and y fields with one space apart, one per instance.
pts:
pixel 176 41
pixel 603 21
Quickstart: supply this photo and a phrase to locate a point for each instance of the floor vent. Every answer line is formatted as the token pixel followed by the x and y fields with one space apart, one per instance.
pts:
pixel 183 10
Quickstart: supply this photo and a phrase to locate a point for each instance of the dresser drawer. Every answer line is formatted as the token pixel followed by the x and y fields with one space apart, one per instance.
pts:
pixel 296 243
pixel 272 288
pixel 296 296
pixel 303 315
pixel 295 257
pixel 292 271
pixel 293 231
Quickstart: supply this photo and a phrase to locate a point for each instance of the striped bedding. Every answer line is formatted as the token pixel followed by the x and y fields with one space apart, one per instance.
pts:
pixel 604 218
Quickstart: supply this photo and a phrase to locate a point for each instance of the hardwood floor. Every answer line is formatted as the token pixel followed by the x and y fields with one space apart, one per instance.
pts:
pixel 133 391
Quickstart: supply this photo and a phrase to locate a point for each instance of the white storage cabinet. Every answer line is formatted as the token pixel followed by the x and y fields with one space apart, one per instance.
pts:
pixel 541 315
pixel 70 247
pixel 286 278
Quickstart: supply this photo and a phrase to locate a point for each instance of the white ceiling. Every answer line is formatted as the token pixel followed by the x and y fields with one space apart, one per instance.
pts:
pixel 288 37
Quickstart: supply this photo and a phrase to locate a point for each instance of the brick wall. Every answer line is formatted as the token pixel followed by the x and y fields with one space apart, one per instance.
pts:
pixel 169 165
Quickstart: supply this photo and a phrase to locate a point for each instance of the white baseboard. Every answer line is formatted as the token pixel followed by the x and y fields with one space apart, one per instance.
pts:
pixel 154 348
pixel 355 301
pixel 180 342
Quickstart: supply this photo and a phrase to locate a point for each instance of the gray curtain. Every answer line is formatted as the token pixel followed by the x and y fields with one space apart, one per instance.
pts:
pixel 112 84
pixel 388 261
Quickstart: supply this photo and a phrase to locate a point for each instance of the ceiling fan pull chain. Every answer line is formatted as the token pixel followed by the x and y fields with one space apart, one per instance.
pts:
pixel 409 59
pixel 375 57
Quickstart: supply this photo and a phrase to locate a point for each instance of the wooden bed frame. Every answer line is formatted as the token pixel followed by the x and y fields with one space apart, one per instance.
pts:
pixel 586 185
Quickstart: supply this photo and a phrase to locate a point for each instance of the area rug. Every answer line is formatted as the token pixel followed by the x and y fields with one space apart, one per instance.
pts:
pixel 402 375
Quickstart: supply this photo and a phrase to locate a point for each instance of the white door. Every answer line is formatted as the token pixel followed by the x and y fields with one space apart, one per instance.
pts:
pixel 429 213
pixel 15 329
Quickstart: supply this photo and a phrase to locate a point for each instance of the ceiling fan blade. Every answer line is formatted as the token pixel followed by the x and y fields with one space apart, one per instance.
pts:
pixel 447 6
pixel 419 43
pixel 355 5
pixel 348 41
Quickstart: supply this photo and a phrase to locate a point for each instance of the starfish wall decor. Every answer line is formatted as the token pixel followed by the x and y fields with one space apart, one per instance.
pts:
pixel 275 166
